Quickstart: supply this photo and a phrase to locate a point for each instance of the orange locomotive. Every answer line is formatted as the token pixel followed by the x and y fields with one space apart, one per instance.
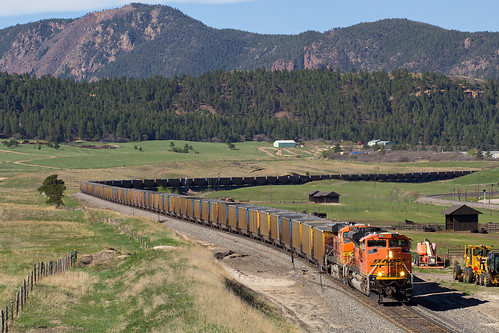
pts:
pixel 373 261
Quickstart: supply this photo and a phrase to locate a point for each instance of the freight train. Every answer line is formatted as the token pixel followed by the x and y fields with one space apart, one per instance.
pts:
pixel 367 258
pixel 215 182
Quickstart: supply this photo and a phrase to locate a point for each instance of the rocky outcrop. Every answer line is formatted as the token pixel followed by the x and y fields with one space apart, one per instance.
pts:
pixel 281 65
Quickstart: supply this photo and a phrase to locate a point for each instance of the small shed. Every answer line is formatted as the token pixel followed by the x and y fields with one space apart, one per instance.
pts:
pixel 461 218
pixel 324 197
pixel 284 143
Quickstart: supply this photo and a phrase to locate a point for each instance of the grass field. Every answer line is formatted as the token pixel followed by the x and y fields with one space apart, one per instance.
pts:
pixel 377 203
pixel 151 290
pixel 141 290
pixel 78 156
pixel 253 157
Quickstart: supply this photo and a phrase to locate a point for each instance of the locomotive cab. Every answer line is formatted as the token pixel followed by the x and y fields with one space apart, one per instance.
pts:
pixel 387 264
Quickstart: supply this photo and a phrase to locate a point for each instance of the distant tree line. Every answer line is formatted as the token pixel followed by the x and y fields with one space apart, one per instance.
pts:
pixel 403 107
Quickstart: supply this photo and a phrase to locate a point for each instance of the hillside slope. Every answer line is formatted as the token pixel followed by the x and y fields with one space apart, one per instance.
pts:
pixel 142 41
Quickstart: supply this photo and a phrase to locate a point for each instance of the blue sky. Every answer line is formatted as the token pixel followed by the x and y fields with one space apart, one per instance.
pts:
pixel 279 16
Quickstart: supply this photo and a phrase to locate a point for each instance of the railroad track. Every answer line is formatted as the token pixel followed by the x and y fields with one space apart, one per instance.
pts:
pixel 417 321
pixel 406 317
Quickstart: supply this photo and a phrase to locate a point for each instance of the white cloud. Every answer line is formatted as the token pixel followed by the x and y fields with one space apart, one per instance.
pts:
pixel 31 7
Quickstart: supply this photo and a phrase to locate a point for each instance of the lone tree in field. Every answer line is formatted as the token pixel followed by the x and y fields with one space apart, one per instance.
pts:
pixel 53 189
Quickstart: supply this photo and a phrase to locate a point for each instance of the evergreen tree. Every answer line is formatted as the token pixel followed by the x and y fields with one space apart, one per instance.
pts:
pixel 53 189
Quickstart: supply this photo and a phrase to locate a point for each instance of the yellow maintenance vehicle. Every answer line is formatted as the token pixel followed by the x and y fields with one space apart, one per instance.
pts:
pixel 481 266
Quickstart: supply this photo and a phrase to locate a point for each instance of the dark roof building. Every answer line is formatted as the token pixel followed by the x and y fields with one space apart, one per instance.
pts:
pixel 461 218
pixel 324 197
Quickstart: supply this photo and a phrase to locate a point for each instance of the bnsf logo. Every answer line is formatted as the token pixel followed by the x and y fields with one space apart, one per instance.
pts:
pixel 381 262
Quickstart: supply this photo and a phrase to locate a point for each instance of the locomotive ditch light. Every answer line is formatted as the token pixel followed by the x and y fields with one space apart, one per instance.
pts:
pixel 402 273
pixel 380 274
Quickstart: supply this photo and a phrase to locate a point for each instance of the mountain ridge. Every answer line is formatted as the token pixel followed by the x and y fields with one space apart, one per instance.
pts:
pixel 142 41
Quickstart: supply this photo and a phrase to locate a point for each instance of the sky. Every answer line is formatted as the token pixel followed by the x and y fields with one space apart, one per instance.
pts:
pixel 279 16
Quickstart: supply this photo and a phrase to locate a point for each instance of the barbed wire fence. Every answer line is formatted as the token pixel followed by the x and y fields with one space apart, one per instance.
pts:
pixel 40 270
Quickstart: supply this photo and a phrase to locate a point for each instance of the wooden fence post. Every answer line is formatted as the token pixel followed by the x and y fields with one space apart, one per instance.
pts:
pixel 3 322
pixel 6 319
pixel 22 298
pixel 25 291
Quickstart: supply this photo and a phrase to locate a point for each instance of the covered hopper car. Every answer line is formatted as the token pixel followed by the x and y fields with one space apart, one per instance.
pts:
pixel 371 260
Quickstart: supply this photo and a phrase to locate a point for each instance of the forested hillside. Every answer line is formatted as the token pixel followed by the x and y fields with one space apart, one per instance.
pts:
pixel 247 105
pixel 141 41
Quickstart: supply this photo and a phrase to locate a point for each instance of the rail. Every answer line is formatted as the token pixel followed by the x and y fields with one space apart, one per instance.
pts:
pixel 408 318
pixel 417 321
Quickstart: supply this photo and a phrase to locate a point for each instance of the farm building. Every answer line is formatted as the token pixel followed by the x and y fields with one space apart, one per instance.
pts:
pixel 493 154
pixel 284 143
pixel 324 197
pixel 461 218
pixel 379 143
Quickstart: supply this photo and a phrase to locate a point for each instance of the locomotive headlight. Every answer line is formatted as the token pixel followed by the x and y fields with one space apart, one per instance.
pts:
pixel 390 254
pixel 402 273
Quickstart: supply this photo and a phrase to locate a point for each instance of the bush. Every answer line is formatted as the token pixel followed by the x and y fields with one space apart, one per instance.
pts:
pixel 11 143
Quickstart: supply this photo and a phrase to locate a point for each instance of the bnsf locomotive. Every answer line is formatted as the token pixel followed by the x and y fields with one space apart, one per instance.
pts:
pixel 371 260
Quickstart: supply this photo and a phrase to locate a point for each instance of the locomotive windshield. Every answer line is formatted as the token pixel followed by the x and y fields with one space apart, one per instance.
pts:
pixel 399 242
pixel 376 243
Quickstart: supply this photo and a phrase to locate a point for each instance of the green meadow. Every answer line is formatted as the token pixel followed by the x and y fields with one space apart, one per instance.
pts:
pixel 380 203
pixel 151 290
pixel 75 156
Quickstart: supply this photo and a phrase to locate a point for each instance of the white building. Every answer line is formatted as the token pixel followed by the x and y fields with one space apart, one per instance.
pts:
pixel 284 143
pixel 379 143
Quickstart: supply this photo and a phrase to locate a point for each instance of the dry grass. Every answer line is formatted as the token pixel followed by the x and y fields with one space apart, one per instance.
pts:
pixel 213 298
pixel 71 282
pixel 214 306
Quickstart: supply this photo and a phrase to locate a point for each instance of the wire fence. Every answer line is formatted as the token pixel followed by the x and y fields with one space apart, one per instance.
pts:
pixel 485 197
pixel 40 270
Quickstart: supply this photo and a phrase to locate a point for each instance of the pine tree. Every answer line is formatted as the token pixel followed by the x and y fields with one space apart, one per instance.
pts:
pixel 53 189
